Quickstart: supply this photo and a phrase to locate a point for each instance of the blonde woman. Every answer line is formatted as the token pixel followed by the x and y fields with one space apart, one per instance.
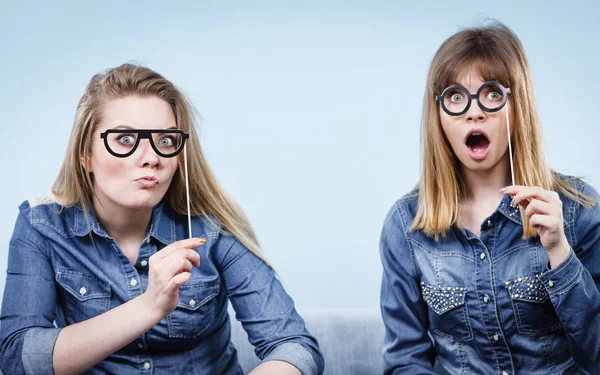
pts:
pixel 492 265
pixel 110 276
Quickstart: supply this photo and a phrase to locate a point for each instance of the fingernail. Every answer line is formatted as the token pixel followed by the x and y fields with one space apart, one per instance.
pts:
pixel 202 240
pixel 503 190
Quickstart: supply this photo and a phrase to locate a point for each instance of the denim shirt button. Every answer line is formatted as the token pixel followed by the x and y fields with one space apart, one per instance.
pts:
pixel 82 291
pixel 496 337
pixel 486 298
pixel 504 373
pixel 133 282
pixel 147 365
pixel 550 283
pixel 144 263
pixel 140 345
pixel 482 256
pixel 489 223
pixel 192 303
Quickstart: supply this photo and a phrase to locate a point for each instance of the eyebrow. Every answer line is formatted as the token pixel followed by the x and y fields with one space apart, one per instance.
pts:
pixel 129 127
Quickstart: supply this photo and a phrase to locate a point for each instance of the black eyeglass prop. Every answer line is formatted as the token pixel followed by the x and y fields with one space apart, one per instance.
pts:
pixel 456 99
pixel 491 97
pixel 167 143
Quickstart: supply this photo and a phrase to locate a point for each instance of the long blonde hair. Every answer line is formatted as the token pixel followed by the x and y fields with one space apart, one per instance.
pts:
pixel 73 185
pixel 497 54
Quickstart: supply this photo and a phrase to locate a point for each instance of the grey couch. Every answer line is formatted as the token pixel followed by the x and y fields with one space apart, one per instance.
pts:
pixel 351 340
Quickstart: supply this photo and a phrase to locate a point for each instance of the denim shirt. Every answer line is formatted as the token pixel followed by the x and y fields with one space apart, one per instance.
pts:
pixel 63 270
pixel 490 304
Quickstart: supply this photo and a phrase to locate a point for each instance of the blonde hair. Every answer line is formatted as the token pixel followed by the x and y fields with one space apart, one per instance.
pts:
pixel 496 53
pixel 73 185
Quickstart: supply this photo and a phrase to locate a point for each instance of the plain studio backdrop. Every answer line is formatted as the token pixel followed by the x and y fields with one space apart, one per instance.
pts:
pixel 310 110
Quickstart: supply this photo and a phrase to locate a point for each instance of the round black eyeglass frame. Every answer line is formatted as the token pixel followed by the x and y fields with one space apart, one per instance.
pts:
pixel 470 97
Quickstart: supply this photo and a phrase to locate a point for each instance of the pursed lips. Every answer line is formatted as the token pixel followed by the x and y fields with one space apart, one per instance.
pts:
pixel 147 181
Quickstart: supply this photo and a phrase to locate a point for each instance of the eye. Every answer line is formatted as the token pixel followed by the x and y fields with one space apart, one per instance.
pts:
pixel 456 97
pixel 166 141
pixel 126 139
pixel 495 95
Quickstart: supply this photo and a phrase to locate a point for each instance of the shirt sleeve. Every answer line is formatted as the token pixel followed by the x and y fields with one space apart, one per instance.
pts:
pixel 574 285
pixel 408 349
pixel 266 311
pixel 27 332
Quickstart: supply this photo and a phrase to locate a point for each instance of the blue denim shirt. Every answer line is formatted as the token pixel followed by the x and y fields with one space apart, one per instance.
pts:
pixel 65 270
pixel 490 304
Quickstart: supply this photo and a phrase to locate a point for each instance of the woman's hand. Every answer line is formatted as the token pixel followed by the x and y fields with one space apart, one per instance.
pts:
pixel 169 269
pixel 544 210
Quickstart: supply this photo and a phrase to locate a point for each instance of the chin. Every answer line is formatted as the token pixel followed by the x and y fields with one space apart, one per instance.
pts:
pixel 473 165
pixel 484 165
pixel 144 202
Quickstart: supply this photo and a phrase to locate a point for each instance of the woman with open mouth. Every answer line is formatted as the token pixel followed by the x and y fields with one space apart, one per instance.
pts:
pixel 492 264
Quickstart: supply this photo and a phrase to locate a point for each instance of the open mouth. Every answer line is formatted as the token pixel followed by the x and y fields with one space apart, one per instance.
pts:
pixel 478 144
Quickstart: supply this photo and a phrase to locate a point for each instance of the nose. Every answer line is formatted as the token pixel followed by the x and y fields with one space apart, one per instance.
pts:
pixel 475 113
pixel 147 156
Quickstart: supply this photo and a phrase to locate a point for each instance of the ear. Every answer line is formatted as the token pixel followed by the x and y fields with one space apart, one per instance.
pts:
pixel 86 163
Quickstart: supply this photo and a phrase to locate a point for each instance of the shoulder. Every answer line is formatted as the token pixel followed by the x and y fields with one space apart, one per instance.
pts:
pixel 46 215
pixel 45 211
pixel 582 195
pixel 581 209
pixel 399 218
pixel 41 201
pixel 403 211
pixel 40 219
pixel 578 185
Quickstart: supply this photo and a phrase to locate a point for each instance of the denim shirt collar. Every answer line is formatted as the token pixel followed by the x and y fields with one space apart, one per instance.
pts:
pixel 504 209
pixel 511 213
pixel 161 227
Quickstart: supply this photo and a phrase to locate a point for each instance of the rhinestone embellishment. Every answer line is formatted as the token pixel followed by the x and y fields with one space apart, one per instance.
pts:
pixel 514 212
pixel 443 299
pixel 527 288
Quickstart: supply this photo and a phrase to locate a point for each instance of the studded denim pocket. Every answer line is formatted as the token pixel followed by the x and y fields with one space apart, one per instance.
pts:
pixel 533 310
pixel 448 313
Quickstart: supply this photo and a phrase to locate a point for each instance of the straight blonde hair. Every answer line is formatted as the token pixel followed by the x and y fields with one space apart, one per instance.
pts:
pixel 74 186
pixel 496 53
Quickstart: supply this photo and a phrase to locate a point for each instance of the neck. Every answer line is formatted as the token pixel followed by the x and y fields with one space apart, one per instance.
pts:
pixel 123 224
pixel 486 185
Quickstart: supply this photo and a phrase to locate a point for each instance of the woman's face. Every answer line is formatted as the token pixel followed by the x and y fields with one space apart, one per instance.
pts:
pixel 478 138
pixel 140 180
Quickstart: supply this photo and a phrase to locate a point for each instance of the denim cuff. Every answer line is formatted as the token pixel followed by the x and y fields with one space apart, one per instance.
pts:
pixel 296 355
pixel 563 277
pixel 38 346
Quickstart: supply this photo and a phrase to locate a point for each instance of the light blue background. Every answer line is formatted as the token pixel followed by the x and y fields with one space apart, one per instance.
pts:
pixel 311 111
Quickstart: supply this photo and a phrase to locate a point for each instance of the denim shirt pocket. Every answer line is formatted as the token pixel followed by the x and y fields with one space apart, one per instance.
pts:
pixel 533 309
pixel 448 313
pixel 85 296
pixel 195 311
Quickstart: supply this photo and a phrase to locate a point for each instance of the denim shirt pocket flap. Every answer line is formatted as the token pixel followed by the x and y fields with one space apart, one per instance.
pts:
pixel 442 299
pixel 81 286
pixel 527 288
pixel 193 296
pixel 533 309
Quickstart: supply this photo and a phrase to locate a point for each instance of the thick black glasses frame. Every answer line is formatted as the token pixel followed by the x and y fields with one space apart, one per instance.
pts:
pixel 144 134
pixel 470 97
